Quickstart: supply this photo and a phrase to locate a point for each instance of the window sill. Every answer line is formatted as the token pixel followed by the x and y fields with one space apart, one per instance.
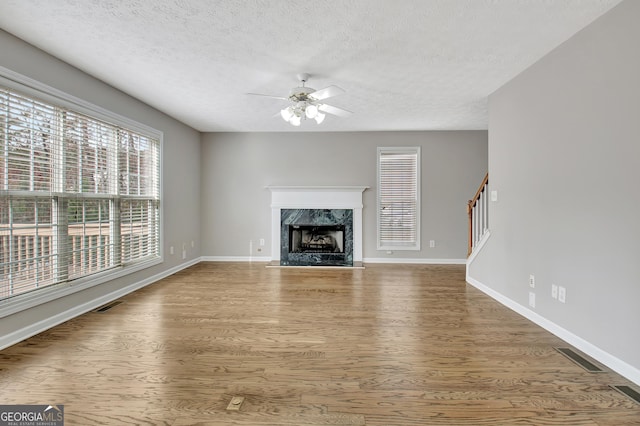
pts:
pixel 32 299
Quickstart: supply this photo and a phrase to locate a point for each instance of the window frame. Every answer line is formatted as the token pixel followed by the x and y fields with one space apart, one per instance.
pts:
pixel 45 93
pixel 404 245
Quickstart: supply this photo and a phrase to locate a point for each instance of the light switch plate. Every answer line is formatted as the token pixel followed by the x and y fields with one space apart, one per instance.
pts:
pixel 562 294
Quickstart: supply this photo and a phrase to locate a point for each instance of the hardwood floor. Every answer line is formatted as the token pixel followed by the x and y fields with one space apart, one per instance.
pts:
pixel 387 345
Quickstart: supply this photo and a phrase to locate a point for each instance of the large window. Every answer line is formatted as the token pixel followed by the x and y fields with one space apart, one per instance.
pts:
pixel 79 195
pixel 398 198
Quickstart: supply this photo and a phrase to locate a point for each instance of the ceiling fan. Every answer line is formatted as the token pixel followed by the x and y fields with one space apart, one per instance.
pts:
pixel 306 103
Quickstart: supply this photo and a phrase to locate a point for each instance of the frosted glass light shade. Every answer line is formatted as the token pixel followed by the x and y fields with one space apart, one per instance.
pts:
pixel 286 114
pixel 311 111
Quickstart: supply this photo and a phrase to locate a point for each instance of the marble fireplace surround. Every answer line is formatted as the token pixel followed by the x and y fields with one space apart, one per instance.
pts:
pixel 316 197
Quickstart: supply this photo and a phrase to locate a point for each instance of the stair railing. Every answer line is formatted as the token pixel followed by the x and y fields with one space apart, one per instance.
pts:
pixel 478 211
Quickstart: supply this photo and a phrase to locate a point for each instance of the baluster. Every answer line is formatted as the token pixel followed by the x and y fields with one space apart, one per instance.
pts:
pixel 478 212
pixel 481 216
pixel 474 216
pixel 75 253
pixel 27 257
pixel 483 202
pixel 92 252
pixel 99 260
pixel 486 209
pixel 20 255
pixel 48 259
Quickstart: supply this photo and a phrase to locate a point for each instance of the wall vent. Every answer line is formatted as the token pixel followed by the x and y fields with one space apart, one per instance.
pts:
pixel 628 391
pixel 580 360
pixel 105 308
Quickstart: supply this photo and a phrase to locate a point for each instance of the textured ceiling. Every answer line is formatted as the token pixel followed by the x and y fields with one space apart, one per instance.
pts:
pixel 405 64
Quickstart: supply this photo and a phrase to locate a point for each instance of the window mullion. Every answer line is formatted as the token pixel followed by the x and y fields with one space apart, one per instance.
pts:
pixel 96 167
pixel 59 204
pixel 114 202
pixel 61 237
pixel 5 148
pixel 138 171
pixel 32 161
pixel 58 162
pixel 79 160
pixel 128 169
pixel 36 244
pixel 12 264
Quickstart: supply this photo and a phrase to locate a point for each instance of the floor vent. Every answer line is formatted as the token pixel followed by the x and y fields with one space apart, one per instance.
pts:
pixel 628 391
pixel 235 403
pixel 580 360
pixel 108 306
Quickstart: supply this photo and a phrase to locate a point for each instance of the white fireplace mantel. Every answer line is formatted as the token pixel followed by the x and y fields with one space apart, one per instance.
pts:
pixel 316 197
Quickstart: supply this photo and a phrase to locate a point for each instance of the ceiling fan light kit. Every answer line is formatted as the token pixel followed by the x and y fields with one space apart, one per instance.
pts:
pixel 305 103
pixel 294 115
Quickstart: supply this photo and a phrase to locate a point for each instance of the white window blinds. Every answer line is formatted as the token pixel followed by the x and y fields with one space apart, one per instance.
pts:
pixel 398 198
pixel 78 195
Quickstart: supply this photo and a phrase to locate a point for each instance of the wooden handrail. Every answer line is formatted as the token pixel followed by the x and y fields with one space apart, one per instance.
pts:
pixel 470 205
pixel 474 200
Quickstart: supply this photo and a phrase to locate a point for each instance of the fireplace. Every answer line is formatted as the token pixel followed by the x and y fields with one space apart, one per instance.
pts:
pixel 316 225
pixel 312 237
pixel 316 238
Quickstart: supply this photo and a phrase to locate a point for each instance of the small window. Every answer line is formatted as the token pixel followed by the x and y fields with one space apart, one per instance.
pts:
pixel 399 198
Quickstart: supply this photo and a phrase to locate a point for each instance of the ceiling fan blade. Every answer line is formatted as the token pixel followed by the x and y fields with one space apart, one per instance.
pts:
pixel 330 109
pixel 267 96
pixel 327 92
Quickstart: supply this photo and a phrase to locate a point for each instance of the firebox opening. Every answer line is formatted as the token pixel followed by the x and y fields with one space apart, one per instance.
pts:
pixel 316 238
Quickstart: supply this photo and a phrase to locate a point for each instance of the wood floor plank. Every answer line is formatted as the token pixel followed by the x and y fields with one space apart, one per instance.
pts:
pixel 386 345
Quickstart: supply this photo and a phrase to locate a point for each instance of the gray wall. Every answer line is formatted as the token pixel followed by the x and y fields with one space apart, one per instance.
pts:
pixel 236 168
pixel 180 169
pixel 564 156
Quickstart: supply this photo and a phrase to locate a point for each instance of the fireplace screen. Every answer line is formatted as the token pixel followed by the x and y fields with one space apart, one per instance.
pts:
pixel 316 238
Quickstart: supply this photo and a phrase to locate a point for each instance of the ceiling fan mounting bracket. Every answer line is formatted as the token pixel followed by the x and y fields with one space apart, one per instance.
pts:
pixel 301 94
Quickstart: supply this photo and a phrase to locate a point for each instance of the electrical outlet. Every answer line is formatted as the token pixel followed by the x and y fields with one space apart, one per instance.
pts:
pixel 193 244
pixel 261 242
pixel 432 243
pixel 554 291
pixel 532 281
pixel 532 299
pixel 171 251
pixel 562 294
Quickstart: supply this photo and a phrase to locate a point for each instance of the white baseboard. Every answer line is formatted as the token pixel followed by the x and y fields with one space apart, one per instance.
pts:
pixel 415 261
pixel 366 260
pixel 590 349
pixel 235 259
pixel 45 324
